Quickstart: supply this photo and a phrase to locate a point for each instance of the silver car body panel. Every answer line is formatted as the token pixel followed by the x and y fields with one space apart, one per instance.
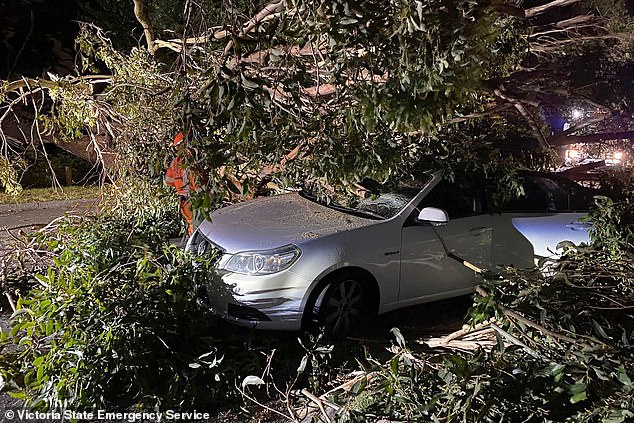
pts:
pixel 408 262
pixel 545 232
pixel 271 222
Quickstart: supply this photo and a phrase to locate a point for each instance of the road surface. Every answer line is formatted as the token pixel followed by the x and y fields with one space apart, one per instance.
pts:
pixel 30 216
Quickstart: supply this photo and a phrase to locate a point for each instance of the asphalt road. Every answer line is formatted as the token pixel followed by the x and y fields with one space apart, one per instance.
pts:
pixel 30 216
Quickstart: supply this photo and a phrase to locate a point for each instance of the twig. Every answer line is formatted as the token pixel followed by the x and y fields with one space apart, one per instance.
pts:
pixel 512 314
pixel 244 394
pixel 319 403
pixel 612 308
pixel 347 386
pixel 459 333
pixel 515 341
pixel 10 298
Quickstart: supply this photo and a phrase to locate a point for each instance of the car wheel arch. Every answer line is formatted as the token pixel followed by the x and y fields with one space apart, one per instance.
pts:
pixel 364 276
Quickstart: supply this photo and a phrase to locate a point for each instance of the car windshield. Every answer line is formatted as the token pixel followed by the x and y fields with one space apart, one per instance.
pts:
pixel 385 203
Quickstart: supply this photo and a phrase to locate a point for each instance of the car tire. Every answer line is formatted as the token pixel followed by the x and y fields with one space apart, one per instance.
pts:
pixel 343 306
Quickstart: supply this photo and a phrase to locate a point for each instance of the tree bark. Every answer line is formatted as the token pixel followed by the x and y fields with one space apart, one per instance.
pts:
pixel 144 20
pixel 543 143
pixel 268 10
pixel 585 123
pixel 533 11
pixel 593 138
pixel 538 10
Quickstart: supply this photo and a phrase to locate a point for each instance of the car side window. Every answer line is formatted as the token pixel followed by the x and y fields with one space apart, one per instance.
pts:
pixel 556 194
pixel 455 200
pixel 580 198
pixel 542 194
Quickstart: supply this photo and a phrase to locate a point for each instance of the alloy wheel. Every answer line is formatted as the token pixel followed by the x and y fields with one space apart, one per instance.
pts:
pixel 343 306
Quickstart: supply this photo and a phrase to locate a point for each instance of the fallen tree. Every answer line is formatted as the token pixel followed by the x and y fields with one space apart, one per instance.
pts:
pixel 306 83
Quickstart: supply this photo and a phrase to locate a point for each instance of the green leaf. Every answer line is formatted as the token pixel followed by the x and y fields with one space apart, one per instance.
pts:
pixel 599 330
pixel 248 83
pixel 302 364
pixel 581 396
pixel 400 340
pixel 252 380
pixel 624 377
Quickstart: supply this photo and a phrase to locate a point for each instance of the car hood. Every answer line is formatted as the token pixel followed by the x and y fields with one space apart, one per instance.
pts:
pixel 271 222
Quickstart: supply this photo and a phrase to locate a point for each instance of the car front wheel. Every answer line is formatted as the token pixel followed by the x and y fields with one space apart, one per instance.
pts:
pixel 343 307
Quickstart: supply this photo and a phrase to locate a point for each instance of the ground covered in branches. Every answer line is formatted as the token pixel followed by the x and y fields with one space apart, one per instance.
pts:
pixel 108 316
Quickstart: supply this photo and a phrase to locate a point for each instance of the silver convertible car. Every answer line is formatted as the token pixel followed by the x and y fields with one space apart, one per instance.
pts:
pixel 290 260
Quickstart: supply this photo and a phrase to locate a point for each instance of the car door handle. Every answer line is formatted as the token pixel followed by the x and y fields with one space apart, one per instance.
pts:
pixel 477 231
pixel 579 226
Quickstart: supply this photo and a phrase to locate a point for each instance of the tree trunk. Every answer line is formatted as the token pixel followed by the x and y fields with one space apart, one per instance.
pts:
pixel 144 20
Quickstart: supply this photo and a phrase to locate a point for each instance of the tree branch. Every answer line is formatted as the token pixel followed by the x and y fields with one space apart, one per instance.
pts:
pixel 144 20
pixel 543 143
pixel 538 10
pixel 582 170
pixel 268 10
pixel 593 138
pixel 480 115
pixel 533 11
pixel 585 123
pixel 518 317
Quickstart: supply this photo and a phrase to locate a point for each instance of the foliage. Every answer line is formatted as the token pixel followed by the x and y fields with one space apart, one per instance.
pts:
pixel 144 203
pixel 613 226
pixel 613 217
pixel 138 94
pixel 396 69
pixel 168 17
pixel 117 321
pixel 385 80
pixel 9 178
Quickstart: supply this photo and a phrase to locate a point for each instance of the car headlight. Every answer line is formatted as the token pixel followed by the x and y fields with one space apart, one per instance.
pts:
pixel 263 262
pixel 199 245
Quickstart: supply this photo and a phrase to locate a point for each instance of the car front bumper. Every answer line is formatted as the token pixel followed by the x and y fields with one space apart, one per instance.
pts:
pixel 270 302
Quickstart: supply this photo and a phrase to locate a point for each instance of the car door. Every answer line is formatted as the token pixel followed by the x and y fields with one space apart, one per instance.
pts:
pixel 427 272
pixel 532 225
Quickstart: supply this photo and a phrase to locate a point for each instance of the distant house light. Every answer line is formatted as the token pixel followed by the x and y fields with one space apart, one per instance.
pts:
pixel 577 114
pixel 573 154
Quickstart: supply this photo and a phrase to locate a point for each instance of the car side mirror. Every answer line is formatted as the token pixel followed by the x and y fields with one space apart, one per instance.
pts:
pixel 434 216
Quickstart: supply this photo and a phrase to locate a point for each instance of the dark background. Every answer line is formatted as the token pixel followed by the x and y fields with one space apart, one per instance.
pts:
pixel 37 36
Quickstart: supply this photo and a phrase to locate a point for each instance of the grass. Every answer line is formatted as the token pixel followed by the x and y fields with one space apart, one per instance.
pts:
pixel 33 195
